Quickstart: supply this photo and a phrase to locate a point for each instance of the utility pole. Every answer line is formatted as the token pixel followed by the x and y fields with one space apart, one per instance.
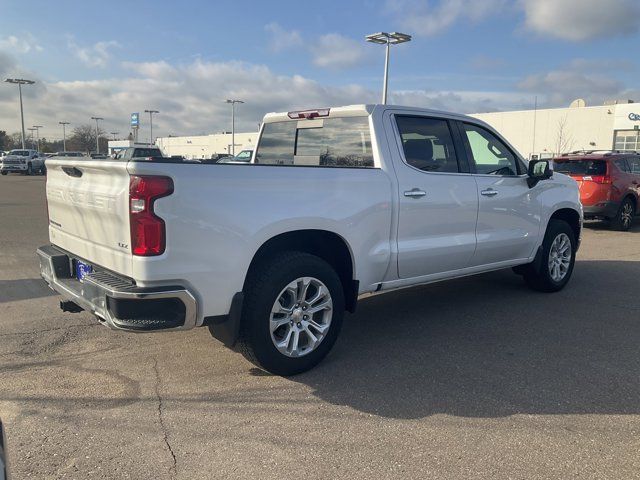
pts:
pixel 233 124
pixel 20 82
pixel 64 135
pixel 97 133
pixel 32 130
pixel 151 112
pixel 535 113
pixel 387 39
pixel 38 127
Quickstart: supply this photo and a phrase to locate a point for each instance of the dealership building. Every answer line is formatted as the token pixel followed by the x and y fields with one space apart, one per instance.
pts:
pixel 615 125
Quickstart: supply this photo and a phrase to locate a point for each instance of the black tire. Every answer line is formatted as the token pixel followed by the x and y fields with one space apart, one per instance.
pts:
pixel 29 171
pixel 43 169
pixel 624 217
pixel 261 292
pixel 537 275
pixel 4 173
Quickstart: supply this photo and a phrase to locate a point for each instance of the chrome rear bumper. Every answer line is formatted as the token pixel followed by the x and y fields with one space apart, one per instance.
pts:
pixel 119 303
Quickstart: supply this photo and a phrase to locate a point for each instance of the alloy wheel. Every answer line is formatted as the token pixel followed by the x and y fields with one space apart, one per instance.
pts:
pixel 560 257
pixel 301 316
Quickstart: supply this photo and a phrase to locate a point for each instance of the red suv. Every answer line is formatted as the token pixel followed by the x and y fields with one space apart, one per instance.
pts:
pixel 609 184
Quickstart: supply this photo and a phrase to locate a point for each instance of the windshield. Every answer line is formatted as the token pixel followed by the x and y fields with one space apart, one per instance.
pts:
pixel 581 167
pixel 21 153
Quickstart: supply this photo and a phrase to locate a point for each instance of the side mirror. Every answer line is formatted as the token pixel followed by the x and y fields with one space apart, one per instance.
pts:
pixel 538 170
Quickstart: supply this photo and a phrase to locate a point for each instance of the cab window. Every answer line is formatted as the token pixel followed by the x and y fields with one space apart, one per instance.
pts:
pixel 427 144
pixel 490 155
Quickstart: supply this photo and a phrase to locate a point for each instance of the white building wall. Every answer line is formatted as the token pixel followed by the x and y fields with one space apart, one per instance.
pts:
pixel 566 129
pixel 203 146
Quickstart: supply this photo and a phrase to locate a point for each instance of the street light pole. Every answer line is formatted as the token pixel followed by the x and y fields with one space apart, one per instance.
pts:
pixel 64 135
pixel 37 127
pixel 387 39
pixel 97 133
pixel 151 112
pixel 233 124
pixel 20 82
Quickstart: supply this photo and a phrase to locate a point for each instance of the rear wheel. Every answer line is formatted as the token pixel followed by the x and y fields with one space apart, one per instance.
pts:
pixel 558 255
pixel 43 169
pixel 624 218
pixel 292 313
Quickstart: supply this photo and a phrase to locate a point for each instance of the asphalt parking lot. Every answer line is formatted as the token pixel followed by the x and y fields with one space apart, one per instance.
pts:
pixel 474 378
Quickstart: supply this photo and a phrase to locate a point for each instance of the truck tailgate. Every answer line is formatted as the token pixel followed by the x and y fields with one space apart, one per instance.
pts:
pixel 88 206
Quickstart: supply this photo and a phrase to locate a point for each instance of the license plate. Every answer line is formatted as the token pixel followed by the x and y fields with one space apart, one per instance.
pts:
pixel 82 270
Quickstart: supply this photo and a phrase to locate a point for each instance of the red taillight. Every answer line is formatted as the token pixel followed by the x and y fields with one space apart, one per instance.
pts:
pixel 147 229
pixel 602 179
pixel 309 114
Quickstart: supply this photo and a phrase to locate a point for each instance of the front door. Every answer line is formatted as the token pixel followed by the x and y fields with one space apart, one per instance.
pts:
pixel 509 211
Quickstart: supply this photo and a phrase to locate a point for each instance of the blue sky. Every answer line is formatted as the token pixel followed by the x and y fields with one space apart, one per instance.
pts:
pixel 109 59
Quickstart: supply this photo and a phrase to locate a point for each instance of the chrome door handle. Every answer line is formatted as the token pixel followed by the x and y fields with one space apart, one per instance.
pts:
pixel 415 193
pixel 490 192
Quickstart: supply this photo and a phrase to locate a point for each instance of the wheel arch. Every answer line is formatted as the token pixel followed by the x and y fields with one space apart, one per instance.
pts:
pixel 572 217
pixel 634 199
pixel 329 246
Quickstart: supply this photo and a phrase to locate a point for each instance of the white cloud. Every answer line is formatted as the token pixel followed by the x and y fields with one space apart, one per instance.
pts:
pixel 425 18
pixel 23 44
pixel 96 55
pixel 331 50
pixel 281 39
pixel 337 51
pixel 191 97
pixel 583 20
pixel 573 20
pixel 561 86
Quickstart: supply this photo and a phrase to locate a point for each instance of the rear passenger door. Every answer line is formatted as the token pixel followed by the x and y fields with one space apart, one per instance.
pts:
pixel 438 201
pixel 509 211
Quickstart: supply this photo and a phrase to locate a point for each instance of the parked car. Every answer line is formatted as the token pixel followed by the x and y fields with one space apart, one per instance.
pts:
pixel 243 157
pixel 27 162
pixel 337 203
pixel 609 184
pixel 140 153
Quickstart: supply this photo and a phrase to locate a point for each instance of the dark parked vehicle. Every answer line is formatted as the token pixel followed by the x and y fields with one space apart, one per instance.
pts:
pixel 609 184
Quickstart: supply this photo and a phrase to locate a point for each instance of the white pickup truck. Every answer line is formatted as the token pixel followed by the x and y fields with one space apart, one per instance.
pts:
pixel 27 162
pixel 335 203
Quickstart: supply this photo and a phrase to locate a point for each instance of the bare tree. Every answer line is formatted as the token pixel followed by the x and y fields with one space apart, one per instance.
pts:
pixel 83 138
pixel 564 140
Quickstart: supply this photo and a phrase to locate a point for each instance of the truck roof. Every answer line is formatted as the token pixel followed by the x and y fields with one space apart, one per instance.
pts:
pixel 362 110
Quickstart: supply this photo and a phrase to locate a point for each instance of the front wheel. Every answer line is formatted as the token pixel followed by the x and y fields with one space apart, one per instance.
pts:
pixel 292 313
pixel 4 173
pixel 558 256
pixel 29 170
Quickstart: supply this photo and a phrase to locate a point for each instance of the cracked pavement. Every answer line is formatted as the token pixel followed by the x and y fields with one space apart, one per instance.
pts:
pixel 475 378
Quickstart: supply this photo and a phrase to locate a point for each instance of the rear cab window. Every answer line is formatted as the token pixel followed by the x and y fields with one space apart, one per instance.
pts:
pixel 317 142
pixel 427 144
